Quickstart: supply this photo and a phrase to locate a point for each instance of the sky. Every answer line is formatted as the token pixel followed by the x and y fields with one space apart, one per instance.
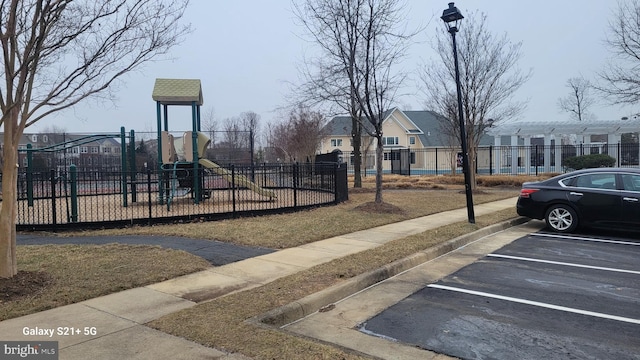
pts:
pixel 247 53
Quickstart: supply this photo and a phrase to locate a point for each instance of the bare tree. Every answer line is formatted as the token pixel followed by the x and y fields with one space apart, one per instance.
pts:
pixel 233 141
pixel 361 44
pixel 277 140
pixel 210 125
pixel 579 100
pixel 489 77
pixel 334 26
pixel 621 77
pixel 300 134
pixel 57 53
pixel 307 132
pixel 251 123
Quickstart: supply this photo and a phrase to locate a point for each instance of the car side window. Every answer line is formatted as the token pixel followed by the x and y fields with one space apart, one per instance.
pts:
pixel 596 181
pixel 631 182
pixel 584 181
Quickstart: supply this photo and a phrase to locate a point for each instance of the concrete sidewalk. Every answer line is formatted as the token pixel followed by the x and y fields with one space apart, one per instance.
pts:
pixel 112 326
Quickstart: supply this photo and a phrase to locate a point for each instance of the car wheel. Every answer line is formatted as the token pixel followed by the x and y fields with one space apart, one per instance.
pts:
pixel 561 218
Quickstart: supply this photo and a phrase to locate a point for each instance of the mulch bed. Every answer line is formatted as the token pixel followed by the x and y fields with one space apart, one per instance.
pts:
pixel 25 283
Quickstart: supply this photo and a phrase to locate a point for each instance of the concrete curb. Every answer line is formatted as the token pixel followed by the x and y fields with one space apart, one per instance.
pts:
pixel 315 302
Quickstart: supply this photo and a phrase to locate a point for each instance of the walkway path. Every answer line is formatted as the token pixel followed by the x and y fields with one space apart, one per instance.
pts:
pixel 216 252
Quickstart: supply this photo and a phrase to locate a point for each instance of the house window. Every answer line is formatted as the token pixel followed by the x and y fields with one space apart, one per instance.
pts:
pixel 116 150
pixel 386 156
pixel 74 150
pixel 412 157
pixel 412 140
pixel 390 140
pixel 45 138
pixel 106 150
pixel 25 162
pixel 88 161
pixel 84 149
pixel 34 138
pixel 48 162
pixel 95 149
pixel 336 142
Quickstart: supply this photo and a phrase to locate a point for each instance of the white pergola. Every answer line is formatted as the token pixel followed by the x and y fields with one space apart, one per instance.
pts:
pixel 579 131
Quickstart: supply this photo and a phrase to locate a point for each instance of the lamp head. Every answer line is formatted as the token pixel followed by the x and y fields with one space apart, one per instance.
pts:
pixel 451 16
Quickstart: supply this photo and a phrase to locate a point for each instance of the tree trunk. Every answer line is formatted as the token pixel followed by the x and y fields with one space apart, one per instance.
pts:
pixel 379 155
pixel 8 208
pixel 472 168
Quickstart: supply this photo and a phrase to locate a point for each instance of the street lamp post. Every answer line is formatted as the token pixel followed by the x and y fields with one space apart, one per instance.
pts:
pixel 451 16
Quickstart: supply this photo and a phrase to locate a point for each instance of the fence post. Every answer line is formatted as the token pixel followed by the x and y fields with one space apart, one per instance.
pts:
pixel 54 211
pixel 295 185
pixel 74 193
pixel 536 162
pixel 436 161
pixel 233 190
pixel 29 176
pixel 264 175
pixel 490 159
pixel 149 194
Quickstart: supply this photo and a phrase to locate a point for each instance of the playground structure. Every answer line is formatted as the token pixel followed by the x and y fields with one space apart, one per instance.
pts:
pixel 66 196
pixel 183 157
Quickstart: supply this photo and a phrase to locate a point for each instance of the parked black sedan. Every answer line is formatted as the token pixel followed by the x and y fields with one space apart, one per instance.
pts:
pixel 601 197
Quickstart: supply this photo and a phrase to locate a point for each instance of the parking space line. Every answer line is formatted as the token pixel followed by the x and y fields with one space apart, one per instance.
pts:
pixel 536 303
pixel 563 263
pixel 586 239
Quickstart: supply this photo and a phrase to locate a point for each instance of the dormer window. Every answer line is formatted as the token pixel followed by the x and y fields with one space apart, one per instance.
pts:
pixel 34 138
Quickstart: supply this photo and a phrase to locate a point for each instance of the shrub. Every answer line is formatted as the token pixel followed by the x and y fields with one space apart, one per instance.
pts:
pixel 589 161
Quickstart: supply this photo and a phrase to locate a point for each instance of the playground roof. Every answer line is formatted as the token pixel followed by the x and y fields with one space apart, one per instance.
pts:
pixel 178 91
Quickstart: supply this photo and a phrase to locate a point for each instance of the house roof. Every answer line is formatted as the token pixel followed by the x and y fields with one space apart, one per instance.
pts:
pixel 428 127
pixel 178 91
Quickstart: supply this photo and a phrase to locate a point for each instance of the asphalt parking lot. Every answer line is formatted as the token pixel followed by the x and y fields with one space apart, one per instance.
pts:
pixel 543 296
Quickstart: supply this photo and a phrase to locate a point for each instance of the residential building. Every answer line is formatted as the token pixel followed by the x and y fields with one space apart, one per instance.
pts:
pixel 412 131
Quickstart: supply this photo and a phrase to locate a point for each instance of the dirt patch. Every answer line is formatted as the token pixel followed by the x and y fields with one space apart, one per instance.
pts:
pixel 24 284
pixel 380 208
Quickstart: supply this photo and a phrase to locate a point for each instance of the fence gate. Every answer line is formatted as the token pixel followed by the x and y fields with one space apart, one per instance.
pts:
pixel 400 163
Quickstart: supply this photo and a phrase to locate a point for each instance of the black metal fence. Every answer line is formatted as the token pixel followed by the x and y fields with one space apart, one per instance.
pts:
pixel 57 200
pixel 512 160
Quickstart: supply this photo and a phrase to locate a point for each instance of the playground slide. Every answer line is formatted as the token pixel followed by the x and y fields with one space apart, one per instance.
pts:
pixel 240 180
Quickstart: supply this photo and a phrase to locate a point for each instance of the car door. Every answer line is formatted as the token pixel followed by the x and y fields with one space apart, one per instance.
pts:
pixel 630 200
pixel 596 198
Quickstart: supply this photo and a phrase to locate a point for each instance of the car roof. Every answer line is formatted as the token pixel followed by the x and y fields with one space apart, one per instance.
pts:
pixel 591 171
pixel 603 169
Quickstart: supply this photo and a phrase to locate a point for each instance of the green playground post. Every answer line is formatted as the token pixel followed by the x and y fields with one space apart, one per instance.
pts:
pixel 132 157
pixel 159 145
pixel 194 143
